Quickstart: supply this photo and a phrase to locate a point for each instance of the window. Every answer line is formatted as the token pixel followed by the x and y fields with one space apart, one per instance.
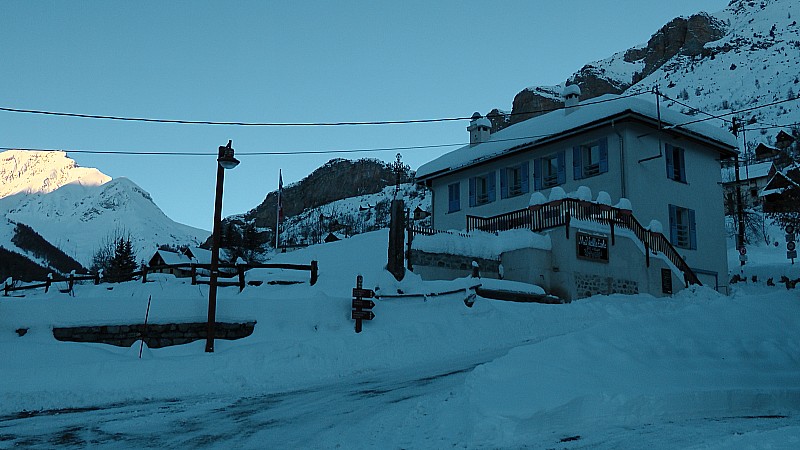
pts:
pixel 482 189
pixel 676 165
pixel 514 180
pixel 682 228
pixel 549 171
pixel 590 159
pixel 454 197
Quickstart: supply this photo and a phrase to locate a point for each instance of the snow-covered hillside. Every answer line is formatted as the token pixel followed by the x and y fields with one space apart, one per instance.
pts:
pixel 79 209
pixel 354 215
pixel 755 62
pixel 696 370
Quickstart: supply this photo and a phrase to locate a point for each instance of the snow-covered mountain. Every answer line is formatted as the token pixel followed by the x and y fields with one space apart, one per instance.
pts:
pixel 745 56
pixel 42 172
pixel 80 209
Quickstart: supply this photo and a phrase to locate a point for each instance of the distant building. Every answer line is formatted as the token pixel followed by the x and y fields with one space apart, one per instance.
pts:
pixel 753 178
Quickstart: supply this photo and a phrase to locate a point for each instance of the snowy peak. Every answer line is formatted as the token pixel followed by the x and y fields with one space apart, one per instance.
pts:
pixel 745 56
pixel 79 209
pixel 28 172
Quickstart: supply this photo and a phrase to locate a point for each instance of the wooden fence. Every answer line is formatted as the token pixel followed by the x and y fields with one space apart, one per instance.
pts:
pixel 559 213
pixel 239 273
pixel 70 280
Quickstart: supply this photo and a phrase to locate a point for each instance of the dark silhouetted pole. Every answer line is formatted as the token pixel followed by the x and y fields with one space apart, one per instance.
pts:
pixel 224 161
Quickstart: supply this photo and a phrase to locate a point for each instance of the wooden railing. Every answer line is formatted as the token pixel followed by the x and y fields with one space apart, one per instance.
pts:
pixel 70 280
pixel 559 213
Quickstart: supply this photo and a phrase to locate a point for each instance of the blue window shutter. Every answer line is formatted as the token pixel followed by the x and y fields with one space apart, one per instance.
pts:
pixel 472 191
pixel 603 143
pixel 523 170
pixel 562 170
pixel 454 194
pixel 503 183
pixel 577 164
pixel 681 164
pixel 491 179
pixel 673 225
pixel 537 174
pixel 670 161
pixel 692 231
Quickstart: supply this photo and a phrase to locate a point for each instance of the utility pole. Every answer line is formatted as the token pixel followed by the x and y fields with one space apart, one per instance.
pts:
pixel 739 205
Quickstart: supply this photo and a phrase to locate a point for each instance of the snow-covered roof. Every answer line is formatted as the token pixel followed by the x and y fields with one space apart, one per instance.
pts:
pixel 749 172
pixel 541 129
pixel 170 258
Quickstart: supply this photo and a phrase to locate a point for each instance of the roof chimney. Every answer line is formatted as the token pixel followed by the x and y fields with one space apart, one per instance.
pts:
pixel 572 96
pixel 479 129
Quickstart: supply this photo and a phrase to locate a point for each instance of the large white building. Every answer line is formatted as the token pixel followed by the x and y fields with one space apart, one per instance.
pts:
pixel 666 163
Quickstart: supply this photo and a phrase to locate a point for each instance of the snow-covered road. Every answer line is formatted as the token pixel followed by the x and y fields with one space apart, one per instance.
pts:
pixel 356 412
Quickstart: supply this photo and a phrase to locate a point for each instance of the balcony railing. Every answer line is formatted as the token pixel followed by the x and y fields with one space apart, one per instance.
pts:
pixel 559 213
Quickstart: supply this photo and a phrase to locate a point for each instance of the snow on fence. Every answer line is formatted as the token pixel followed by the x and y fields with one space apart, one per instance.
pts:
pixel 241 269
pixel 8 286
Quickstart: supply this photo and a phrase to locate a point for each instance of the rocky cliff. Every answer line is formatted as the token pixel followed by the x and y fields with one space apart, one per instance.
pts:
pixel 681 36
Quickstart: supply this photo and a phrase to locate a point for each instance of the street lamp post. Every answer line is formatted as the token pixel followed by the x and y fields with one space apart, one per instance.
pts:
pixel 225 160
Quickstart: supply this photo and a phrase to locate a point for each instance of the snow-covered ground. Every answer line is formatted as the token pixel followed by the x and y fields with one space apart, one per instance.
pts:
pixel 698 370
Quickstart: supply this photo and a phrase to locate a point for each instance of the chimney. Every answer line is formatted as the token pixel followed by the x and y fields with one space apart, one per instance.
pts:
pixel 572 96
pixel 479 129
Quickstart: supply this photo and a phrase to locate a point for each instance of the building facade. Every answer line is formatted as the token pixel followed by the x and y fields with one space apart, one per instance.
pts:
pixel 628 147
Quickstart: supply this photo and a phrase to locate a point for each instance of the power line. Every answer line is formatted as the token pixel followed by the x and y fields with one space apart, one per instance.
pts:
pixel 267 153
pixel 720 116
pixel 286 124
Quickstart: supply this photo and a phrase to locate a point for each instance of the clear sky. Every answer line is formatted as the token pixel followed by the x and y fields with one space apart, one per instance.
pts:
pixel 280 61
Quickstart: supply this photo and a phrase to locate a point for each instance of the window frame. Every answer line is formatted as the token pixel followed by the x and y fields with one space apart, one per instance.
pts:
pixel 508 187
pixel 454 201
pixel 682 227
pixel 583 153
pixel 675 158
pixel 486 182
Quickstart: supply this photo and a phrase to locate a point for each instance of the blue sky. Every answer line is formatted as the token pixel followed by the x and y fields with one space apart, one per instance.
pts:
pixel 271 61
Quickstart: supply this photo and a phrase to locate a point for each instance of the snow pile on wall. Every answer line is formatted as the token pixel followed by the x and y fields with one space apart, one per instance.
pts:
pixel 481 244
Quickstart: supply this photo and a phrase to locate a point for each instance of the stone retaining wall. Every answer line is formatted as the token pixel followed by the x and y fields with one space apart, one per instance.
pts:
pixel 453 262
pixel 155 335
pixel 588 284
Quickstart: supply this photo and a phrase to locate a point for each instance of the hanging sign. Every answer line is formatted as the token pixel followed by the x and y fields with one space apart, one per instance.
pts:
pixel 592 246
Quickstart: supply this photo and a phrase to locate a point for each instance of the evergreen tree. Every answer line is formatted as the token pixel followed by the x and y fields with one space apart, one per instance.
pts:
pixel 123 264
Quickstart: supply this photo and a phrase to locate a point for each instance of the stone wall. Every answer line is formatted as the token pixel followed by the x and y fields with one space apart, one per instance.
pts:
pixel 587 285
pixel 154 335
pixel 420 259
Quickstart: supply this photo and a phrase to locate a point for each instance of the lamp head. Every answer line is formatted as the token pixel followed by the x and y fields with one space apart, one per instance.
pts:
pixel 226 159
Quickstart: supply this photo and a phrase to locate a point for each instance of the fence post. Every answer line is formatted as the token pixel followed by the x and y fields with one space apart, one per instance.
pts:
pixel 194 274
pixel 71 280
pixel 314 272
pixel 611 225
pixel 144 273
pixel 240 270
pixel 408 246
pixel 97 278
pixel 48 282
pixel 6 287
pixel 647 254
pixel 566 225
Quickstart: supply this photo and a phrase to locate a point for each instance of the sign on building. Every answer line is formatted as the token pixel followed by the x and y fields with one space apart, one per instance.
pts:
pixel 593 247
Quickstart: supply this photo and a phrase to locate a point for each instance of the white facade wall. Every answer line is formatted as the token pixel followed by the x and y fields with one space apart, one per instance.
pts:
pixel 646 185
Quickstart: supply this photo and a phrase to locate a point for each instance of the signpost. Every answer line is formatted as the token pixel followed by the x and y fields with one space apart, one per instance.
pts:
pixel 362 308
pixel 791 247
pixel 742 255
